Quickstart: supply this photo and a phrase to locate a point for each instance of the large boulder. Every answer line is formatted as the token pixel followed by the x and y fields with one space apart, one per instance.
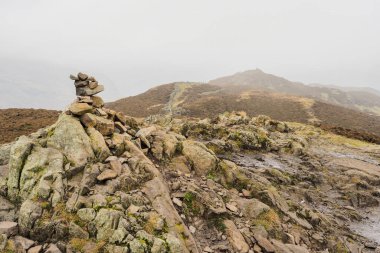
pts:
pixel 200 157
pixel 70 137
pixel 19 152
pixel 98 144
pixel 42 175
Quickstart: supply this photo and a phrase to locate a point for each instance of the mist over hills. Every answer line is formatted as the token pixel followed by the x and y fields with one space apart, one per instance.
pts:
pixel 363 99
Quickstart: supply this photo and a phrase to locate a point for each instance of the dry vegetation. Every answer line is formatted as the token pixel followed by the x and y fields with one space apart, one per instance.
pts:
pixel 17 122
pixel 148 103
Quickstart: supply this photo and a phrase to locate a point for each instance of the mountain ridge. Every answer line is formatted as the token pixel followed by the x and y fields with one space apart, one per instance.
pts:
pixel 354 98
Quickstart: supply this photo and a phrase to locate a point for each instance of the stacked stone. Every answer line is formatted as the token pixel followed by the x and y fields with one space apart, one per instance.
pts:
pixel 90 108
pixel 86 85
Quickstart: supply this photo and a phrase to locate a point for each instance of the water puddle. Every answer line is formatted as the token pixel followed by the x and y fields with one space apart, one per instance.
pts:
pixel 369 228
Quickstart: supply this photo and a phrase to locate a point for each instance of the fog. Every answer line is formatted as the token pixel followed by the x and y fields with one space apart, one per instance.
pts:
pixel 131 46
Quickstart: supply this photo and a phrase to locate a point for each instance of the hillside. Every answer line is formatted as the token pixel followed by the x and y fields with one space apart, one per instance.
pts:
pixel 17 122
pixel 361 99
pixel 99 181
pixel 205 100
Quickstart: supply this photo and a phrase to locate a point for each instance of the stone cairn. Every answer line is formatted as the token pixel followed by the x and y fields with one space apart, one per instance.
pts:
pixel 86 85
pixel 90 108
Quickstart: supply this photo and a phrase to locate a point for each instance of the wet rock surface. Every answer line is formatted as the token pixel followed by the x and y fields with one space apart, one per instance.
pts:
pixel 101 181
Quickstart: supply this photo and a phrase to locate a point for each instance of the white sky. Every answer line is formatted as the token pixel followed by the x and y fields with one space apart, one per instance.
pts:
pixel 134 45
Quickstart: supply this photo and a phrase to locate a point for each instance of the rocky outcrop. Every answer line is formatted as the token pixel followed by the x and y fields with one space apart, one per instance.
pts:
pixel 99 181
pixel 69 136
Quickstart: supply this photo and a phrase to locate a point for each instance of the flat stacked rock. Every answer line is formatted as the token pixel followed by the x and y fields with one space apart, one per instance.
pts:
pixel 86 85
pixel 90 108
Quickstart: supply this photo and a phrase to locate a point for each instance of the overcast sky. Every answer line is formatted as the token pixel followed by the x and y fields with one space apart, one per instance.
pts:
pixel 133 45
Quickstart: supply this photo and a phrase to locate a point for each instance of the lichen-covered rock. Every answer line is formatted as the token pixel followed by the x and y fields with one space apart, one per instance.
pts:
pixel 107 221
pixel 138 246
pixel 200 157
pixel 29 213
pixel 104 126
pixel 235 237
pixel 98 144
pixel 158 246
pixel 7 210
pixel 80 108
pixel 76 231
pixel 19 152
pixel 71 139
pixel 42 175
pixel 86 214
pixel 5 152
pixel 164 145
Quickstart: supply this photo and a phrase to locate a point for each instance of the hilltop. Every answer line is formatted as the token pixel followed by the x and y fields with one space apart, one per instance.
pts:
pixel 206 100
pixel 366 100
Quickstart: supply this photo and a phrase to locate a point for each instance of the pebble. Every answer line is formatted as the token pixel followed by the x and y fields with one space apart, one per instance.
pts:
pixel 231 207
pixel 208 249
pixel 177 201
pixel 192 229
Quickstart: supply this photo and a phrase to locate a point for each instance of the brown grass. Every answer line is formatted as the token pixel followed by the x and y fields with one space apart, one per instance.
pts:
pixel 17 122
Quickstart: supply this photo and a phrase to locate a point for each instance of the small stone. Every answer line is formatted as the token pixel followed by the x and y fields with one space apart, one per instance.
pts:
pixel 264 243
pixel 52 249
pixel 121 117
pixel 256 248
pixel 231 207
pixel 82 76
pixel 116 166
pixel 120 127
pixel 132 209
pixel 86 214
pixel 177 201
pixel 192 229
pixel 88 119
pixel 77 232
pixel 35 249
pixel 107 174
pixel 235 237
pixel 3 241
pixel 104 126
pixel 8 228
pixel 93 85
pixel 85 99
pixel 74 77
pixel 79 84
pixel 100 112
pixel 22 242
pixel 159 246
pixel 111 158
pixel 91 78
pixel 86 91
pixel 80 108
pixel 208 249
pixel 370 245
pixel 97 102
pixel 246 193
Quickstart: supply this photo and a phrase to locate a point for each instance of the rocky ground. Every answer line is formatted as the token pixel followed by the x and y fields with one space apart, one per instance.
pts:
pixel 100 181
